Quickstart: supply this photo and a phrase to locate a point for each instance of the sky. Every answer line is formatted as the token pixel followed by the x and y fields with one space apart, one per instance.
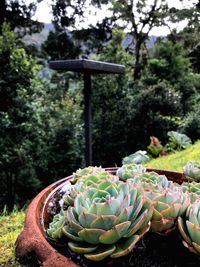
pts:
pixel 43 14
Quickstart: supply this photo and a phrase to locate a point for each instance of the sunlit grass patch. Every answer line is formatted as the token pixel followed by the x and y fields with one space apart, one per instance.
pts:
pixel 10 227
pixel 178 160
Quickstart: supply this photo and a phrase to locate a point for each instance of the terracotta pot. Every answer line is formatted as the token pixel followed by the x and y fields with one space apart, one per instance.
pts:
pixel 32 247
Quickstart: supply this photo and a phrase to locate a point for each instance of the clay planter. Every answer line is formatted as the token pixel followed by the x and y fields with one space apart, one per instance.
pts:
pixel 32 247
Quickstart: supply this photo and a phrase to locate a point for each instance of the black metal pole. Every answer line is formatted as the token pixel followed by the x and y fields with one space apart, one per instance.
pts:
pixel 88 118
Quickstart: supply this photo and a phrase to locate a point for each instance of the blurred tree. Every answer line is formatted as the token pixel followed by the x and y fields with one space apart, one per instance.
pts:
pixel 69 17
pixel 60 46
pixel 170 63
pixel 19 15
pixel 158 109
pixel 32 116
pixel 139 18
pixel 69 13
pixel 190 35
pixel 21 108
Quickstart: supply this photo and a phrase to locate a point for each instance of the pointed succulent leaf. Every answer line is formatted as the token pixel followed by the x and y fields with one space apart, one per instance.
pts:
pixel 193 217
pixel 137 224
pixel 112 190
pixel 163 225
pixel 75 227
pixel 68 200
pixel 100 253
pixel 144 230
pixel 69 234
pixel 82 248
pixel 125 246
pixel 165 198
pixel 100 194
pixel 125 203
pixel 172 211
pixel 91 235
pixel 137 207
pixel 104 222
pixel 183 230
pixel 196 246
pixel 86 219
pixel 108 208
pixel 113 235
pixel 160 206
pixel 71 214
pixel 194 232
pixel 125 215
pixel 157 216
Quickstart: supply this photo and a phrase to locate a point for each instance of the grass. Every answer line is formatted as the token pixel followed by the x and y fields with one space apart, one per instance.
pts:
pixel 178 160
pixel 11 225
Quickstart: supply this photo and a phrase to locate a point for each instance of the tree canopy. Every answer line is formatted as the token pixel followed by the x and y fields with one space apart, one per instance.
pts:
pixel 19 15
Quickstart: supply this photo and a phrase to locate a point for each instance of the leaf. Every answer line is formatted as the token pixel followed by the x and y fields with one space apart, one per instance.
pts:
pixel 81 247
pixel 101 253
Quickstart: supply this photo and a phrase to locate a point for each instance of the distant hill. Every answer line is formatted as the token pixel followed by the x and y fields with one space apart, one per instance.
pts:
pixel 127 42
pixel 37 39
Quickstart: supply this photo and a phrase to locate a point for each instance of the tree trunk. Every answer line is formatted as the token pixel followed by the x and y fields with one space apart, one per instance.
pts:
pixel 2 12
pixel 10 197
pixel 137 67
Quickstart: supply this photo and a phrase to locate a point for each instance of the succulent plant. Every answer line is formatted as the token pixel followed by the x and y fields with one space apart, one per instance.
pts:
pixel 192 171
pixel 168 205
pixel 107 220
pixel 128 171
pixel 189 227
pixel 88 181
pixel 178 141
pixel 88 170
pixel 138 157
pixel 55 227
pixel 193 189
pixel 152 179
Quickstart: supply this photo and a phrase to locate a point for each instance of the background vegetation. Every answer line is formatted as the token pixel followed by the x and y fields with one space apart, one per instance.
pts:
pixel 41 133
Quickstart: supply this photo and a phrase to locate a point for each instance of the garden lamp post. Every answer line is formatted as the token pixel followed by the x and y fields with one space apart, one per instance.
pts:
pixel 87 67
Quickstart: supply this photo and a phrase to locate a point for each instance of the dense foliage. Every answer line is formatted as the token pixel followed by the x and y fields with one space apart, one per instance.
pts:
pixel 34 126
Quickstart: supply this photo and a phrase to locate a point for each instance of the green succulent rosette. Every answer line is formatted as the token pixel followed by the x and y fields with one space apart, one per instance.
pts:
pixel 55 227
pixel 128 171
pixel 107 220
pixel 168 205
pixel 192 171
pixel 193 189
pixel 88 170
pixel 152 180
pixel 88 181
pixel 189 227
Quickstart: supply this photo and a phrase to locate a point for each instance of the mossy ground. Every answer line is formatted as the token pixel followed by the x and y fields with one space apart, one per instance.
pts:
pixel 11 225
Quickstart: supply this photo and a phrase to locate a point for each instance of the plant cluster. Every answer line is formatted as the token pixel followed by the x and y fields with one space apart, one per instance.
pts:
pixel 192 171
pixel 106 215
pixel 176 142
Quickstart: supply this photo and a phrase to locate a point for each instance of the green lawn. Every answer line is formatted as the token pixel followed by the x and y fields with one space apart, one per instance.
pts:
pixel 178 160
pixel 11 225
